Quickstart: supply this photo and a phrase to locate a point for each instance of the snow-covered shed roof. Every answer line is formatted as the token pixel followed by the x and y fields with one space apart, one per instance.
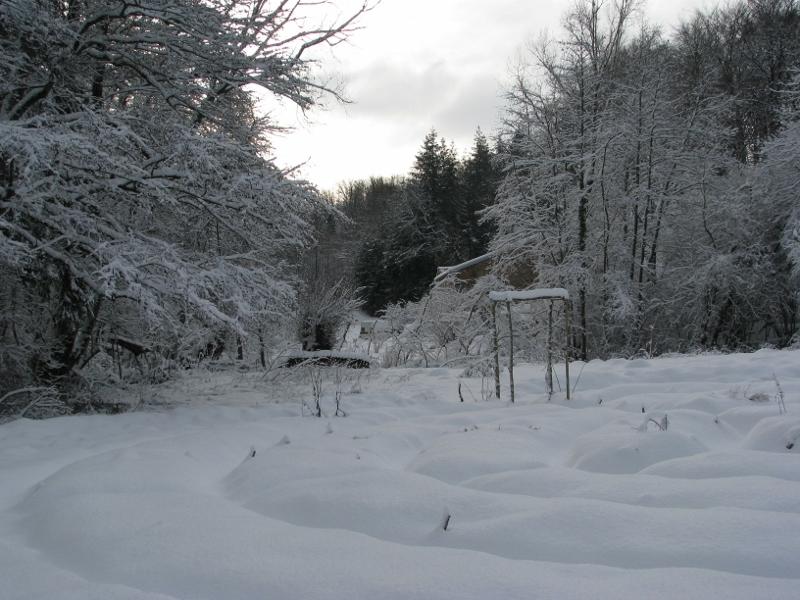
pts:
pixel 453 269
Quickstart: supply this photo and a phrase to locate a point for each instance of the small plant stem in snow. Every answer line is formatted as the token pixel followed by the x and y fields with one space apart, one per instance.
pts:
pixel 779 397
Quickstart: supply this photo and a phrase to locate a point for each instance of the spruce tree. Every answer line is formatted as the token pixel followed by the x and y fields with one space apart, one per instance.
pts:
pixel 479 185
pixel 440 210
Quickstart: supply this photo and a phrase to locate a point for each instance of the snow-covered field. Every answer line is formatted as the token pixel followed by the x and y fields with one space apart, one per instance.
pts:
pixel 579 499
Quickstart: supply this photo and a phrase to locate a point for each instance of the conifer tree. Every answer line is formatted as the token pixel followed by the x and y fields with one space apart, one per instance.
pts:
pixel 440 207
pixel 479 186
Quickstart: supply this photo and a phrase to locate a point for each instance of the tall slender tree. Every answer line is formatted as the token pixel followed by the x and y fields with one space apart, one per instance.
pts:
pixel 479 181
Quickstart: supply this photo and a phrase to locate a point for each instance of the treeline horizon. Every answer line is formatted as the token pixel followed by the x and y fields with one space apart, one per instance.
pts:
pixel 655 177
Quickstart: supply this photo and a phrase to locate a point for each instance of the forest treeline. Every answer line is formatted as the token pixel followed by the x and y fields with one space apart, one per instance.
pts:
pixel 405 227
pixel 653 174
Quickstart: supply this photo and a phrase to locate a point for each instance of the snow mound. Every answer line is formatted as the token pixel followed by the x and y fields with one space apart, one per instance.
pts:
pixel 406 508
pixel 386 504
pixel 257 476
pixel 744 418
pixel 199 546
pixel 712 465
pixel 460 456
pixel 775 434
pixel 630 452
pixel 755 493
pixel 23 569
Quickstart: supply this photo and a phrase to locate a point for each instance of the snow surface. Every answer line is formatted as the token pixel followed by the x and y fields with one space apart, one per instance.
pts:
pixel 535 294
pixel 567 499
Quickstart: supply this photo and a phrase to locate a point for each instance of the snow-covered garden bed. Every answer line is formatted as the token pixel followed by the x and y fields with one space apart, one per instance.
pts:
pixel 232 494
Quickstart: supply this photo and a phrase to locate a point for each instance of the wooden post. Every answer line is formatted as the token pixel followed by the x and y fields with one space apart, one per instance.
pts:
pixel 567 320
pixel 510 351
pixel 548 375
pixel 496 353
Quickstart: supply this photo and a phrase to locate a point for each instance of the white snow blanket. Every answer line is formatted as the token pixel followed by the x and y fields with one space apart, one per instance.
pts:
pixel 231 496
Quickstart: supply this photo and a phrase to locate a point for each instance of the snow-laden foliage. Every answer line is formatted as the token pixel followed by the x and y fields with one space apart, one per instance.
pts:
pixel 453 325
pixel 134 169
pixel 622 185
pixel 778 179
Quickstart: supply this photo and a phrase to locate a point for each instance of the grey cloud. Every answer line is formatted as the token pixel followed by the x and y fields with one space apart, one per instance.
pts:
pixel 476 104
pixel 398 91
pixel 412 100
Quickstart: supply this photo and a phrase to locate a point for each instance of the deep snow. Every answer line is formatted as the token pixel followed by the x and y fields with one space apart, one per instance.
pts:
pixel 567 499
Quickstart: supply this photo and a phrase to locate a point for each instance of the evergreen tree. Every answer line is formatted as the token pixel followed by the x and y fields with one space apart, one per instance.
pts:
pixel 398 262
pixel 410 227
pixel 440 210
pixel 479 179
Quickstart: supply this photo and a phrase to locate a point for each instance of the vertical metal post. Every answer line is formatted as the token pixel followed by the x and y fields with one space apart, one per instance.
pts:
pixel 548 375
pixel 496 353
pixel 510 351
pixel 567 350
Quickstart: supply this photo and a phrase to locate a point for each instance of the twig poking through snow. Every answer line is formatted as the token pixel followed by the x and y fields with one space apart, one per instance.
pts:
pixel 662 424
pixel 578 380
pixel 446 520
pixel 779 397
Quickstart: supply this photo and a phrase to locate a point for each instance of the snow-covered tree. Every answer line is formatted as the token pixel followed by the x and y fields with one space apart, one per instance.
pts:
pixel 134 166
pixel 559 128
pixel 621 184
pixel 776 184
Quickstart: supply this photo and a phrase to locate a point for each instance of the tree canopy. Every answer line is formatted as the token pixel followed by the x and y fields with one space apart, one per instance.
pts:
pixel 135 176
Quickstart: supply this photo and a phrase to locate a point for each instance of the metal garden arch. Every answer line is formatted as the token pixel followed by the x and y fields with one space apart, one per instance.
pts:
pixel 513 296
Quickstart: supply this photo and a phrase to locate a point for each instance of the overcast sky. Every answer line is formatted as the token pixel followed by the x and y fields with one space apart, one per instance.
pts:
pixel 418 64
